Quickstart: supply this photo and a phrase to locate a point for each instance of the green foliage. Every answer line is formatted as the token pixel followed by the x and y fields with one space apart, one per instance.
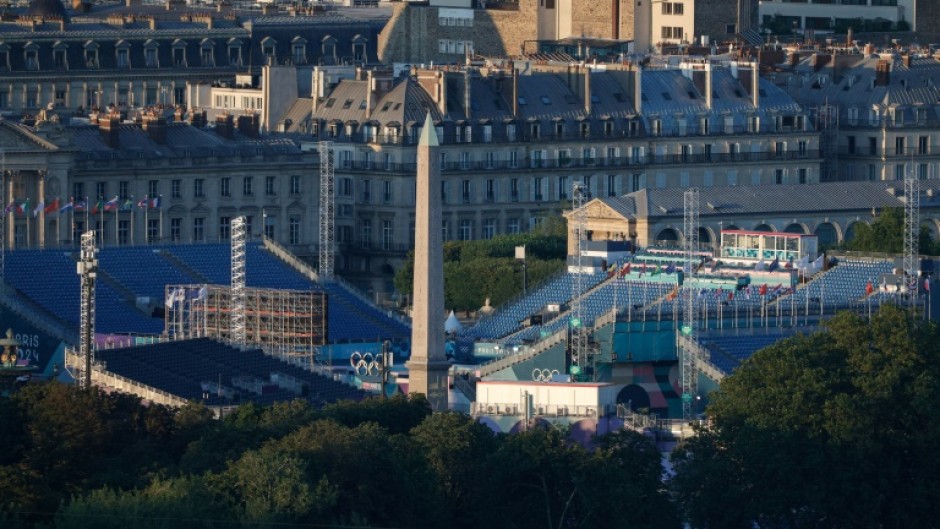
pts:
pixel 92 459
pixel 476 270
pixel 834 429
pixel 886 235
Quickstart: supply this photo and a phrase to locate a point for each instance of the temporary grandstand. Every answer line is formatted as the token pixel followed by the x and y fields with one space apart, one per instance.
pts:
pixel 635 310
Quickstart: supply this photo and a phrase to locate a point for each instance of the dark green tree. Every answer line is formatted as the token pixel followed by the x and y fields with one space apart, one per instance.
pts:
pixel 833 429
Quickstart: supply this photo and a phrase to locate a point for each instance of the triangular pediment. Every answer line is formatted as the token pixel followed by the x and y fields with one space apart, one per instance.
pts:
pixel 14 138
pixel 597 209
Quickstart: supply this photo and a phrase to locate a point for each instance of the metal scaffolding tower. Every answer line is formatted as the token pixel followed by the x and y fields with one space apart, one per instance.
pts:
pixel 579 346
pixel 327 209
pixel 911 229
pixel 237 303
pixel 3 218
pixel 88 270
pixel 689 361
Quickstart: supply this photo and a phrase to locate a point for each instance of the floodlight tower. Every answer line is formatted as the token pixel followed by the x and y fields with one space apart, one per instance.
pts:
pixel 237 303
pixel 911 229
pixel 87 268
pixel 688 361
pixel 327 209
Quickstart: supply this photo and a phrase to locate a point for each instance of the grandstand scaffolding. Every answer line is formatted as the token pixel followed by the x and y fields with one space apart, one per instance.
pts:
pixel 581 350
pixel 3 217
pixel 689 355
pixel 237 300
pixel 280 322
pixel 327 215
pixel 911 229
pixel 88 270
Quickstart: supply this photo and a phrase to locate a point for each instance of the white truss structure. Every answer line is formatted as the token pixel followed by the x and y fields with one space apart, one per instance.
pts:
pixel 327 215
pixel 88 270
pixel 911 229
pixel 689 361
pixel 237 299
pixel 580 348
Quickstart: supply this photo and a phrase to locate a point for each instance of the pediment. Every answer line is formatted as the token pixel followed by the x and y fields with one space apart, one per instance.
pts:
pixel 14 138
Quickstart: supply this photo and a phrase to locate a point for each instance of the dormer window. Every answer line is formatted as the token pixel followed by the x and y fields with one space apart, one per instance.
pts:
pixel 150 54
pixel 328 47
pixel 179 53
pixel 656 127
pixel 207 52
pixel 59 58
pixel 298 50
pixel 853 115
pixel 268 48
pixel 585 128
pixel 31 56
pixel 123 54
pixel 4 56
pixel 359 47
pixel 234 52
pixel 91 54
pixel 608 128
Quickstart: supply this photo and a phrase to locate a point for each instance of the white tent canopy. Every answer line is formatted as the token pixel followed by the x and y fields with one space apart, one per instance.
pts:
pixel 452 324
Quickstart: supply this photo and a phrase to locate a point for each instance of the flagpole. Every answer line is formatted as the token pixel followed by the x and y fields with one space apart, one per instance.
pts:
pixel 146 219
pixel 132 220
pixel 161 223
pixel 42 224
pixel 87 215
pixel 101 215
pixel 117 220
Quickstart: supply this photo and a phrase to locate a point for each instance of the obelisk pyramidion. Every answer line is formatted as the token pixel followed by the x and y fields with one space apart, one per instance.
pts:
pixel 428 366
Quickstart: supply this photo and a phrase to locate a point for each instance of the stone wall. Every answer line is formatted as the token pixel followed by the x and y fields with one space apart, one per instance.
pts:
pixel 413 33
pixel 712 17
pixel 928 17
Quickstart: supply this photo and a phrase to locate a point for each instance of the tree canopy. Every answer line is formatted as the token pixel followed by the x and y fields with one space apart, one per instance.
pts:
pixel 833 429
pixel 476 270
pixel 75 459
pixel 886 235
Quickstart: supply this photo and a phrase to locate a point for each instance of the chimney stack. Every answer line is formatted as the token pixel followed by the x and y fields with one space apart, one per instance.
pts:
pixel 156 128
pixel 197 118
pixel 467 100
pixel 883 73
pixel 587 90
pixel 638 88
pixel 515 91
pixel 108 127
pixel 224 126
pixel 906 60
pixel 249 125
pixel 370 93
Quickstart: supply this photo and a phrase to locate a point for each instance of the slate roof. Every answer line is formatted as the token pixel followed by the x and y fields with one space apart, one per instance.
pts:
pixel 772 199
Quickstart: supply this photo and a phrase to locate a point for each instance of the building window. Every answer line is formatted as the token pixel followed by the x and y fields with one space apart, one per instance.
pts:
pixel 778 176
pixel 513 225
pixel 225 187
pixel 673 8
pixel 611 185
pixel 269 186
pixel 802 175
pixel 514 190
pixel 199 229
pixel 246 186
pixel 923 145
pixel 293 230
pixel 153 188
pixel 465 191
pixel 491 190
pixel 562 188
pixel 269 224
pixel 466 229
pixel 101 189
pixel 513 161
pixel 366 191
pixel 365 233
pixel 386 191
pixel 176 229
pixel 176 188
pixel 198 185
pixel 537 188
pixel 443 191
pixel 153 230
pixel 295 184
pixel 225 228
pixel 489 228
pixel 123 187
pixel 387 235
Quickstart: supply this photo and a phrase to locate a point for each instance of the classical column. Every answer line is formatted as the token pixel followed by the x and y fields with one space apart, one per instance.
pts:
pixel 428 366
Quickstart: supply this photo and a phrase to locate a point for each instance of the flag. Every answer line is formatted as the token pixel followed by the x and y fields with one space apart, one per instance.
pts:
pixel 719 293
pixel 155 202
pixel 52 208
pixel 670 268
pixel 625 270
pixel 774 264
pixel 39 207
pixel 672 295
pixel 761 265
pixel 175 295
pixel 203 293
pixel 23 208
pixel 789 264
pixel 656 271
pixel 112 204
pixel 731 295
pixel 926 284
pixel 128 205
pixel 9 209
pixel 715 264
pixel 817 264
pixel 144 202
pixel 80 206
pixel 763 290
pixel 67 207
pixel 98 207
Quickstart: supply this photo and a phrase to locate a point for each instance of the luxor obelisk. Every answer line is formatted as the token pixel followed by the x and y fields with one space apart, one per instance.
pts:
pixel 428 366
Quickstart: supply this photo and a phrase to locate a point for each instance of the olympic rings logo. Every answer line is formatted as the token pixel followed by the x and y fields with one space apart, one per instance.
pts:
pixel 544 375
pixel 366 364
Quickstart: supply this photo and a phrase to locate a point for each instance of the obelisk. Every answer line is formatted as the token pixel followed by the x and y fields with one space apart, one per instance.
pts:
pixel 428 366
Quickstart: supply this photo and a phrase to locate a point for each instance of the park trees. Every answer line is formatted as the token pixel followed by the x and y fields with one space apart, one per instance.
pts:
pixel 833 429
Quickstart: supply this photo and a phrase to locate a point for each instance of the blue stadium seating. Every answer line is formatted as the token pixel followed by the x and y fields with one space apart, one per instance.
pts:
pixel 182 367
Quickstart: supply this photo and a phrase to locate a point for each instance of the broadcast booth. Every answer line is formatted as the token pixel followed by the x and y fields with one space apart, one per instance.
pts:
pixel 750 247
